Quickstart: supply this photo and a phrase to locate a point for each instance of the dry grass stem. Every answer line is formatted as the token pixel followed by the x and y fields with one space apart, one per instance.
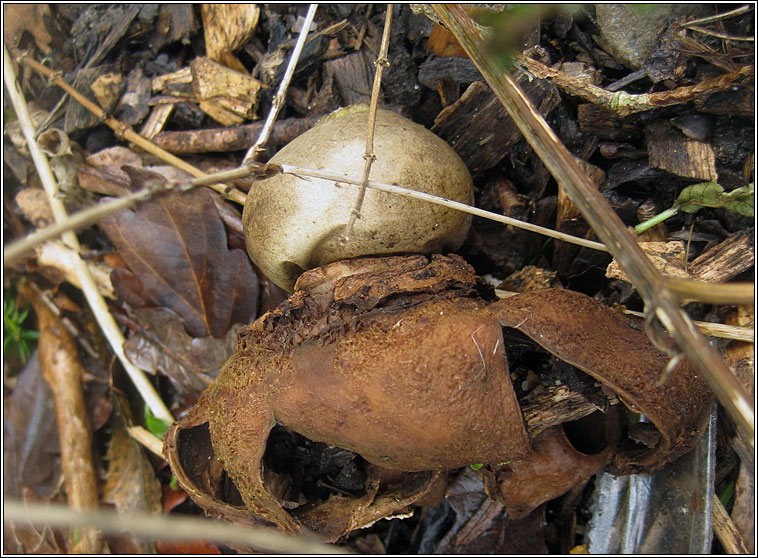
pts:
pixel 722 331
pixel 165 527
pixel 445 202
pixel 96 302
pixel 281 94
pixel 713 293
pixel 368 155
pixel 723 526
pixel 93 214
pixel 147 439
pixel 718 35
pixel 710 19
pixel 606 224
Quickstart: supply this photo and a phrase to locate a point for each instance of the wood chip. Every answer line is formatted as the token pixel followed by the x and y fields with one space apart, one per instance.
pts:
pixel 669 149
pixel 478 127
pixel 727 259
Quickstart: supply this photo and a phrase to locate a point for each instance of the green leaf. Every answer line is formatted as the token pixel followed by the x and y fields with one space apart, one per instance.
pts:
pixel 155 425
pixel 476 466
pixel 727 495
pixel 711 194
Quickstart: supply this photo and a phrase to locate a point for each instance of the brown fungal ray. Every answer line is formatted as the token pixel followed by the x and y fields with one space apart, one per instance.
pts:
pixel 389 357
pixel 590 336
pixel 552 468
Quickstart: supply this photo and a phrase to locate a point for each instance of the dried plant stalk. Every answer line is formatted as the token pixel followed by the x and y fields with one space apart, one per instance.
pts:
pixel 93 214
pixel 165 527
pixel 96 302
pixel 63 371
pixel 625 104
pixel 607 225
pixel 431 198
pixel 369 156
pixel 281 94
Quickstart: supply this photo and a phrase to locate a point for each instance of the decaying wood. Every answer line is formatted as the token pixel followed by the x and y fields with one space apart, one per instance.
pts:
pixel 457 70
pixel 743 510
pixel 670 150
pixel 63 371
pixel 605 123
pixel 478 127
pixel 545 407
pixel 227 27
pixel 479 522
pixel 157 120
pixel 725 530
pixel 227 96
pixel 668 257
pixel 234 138
pixel 727 259
pixel 354 76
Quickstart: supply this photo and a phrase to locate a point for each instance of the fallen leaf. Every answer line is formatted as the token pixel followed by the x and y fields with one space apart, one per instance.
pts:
pixel 176 248
pixel 228 27
pixel 130 483
pixel 31 18
pixel 164 345
pixel 31 451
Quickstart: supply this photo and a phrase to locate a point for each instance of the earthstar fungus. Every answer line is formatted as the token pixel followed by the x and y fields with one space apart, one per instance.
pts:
pixel 402 360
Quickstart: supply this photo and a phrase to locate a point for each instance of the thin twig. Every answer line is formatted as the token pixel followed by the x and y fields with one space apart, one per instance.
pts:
pixel 719 35
pixel 368 155
pixel 604 221
pixel 165 527
pixel 722 331
pixel 623 103
pixel 125 132
pixel 147 439
pixel 63 371
pixel 445 202
pixel 738 11
pixel 281 94
pixel 93 214
pixel 95 300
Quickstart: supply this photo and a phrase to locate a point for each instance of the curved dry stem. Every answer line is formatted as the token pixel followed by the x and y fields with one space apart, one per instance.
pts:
pixel 445 202
pixel 94 298
pixel 165 527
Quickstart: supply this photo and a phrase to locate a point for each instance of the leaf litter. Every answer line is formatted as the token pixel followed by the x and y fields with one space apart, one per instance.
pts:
pixel 184 297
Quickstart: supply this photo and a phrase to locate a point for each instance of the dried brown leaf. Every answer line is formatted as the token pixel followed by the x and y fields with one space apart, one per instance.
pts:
pixel 130 484
pixel 164 345
pixel 176 248
pixel 31 451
